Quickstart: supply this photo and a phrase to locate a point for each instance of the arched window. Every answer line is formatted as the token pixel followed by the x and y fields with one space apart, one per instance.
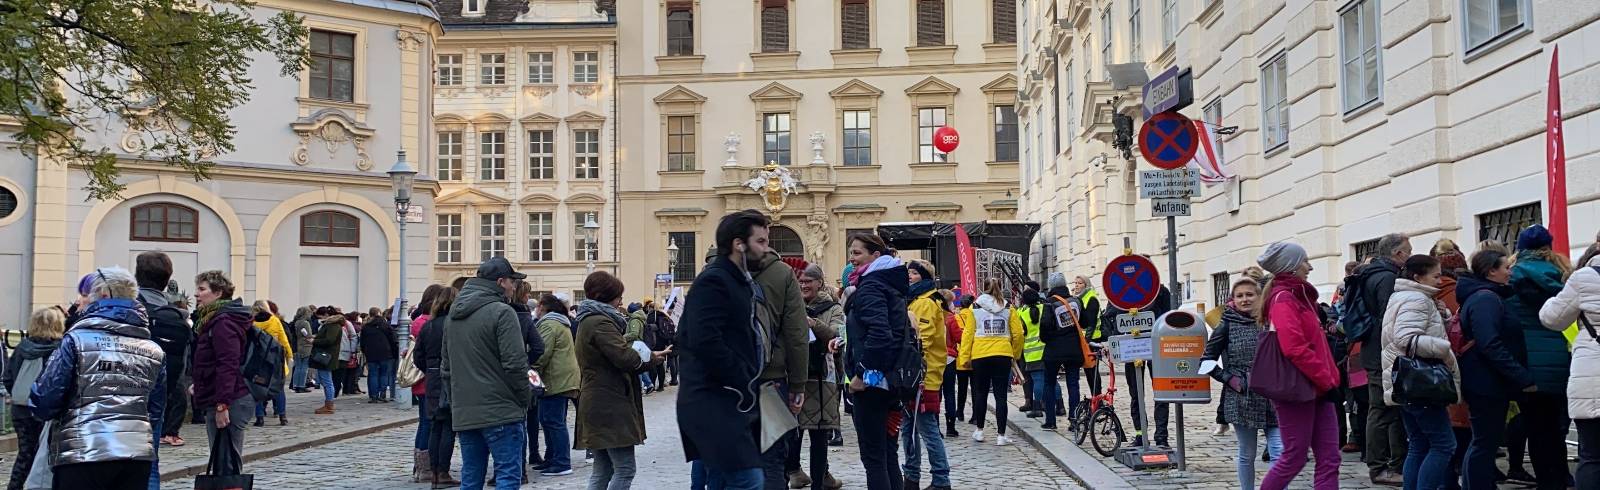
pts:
pixel 330 229
pixel 164 222
pixel 785 241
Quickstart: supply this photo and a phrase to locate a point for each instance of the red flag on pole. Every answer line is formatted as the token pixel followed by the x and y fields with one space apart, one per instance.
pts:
pixel 967 260
pixel 1556 158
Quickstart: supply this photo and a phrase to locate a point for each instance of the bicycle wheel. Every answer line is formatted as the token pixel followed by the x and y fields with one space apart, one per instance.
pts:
pixel 1081 423
pixel 1106 430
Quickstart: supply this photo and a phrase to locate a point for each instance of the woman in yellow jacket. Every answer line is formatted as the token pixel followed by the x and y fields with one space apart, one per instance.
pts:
pixel 991 338
pixel 267 321
pixel 923 428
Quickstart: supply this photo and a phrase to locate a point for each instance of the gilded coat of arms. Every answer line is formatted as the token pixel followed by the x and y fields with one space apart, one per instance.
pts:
pixel 774 183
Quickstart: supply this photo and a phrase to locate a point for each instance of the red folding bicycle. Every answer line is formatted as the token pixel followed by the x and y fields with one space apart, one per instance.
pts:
pixel 1097 419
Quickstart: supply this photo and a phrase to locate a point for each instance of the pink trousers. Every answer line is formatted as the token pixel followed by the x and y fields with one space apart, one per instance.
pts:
pixel 1310 426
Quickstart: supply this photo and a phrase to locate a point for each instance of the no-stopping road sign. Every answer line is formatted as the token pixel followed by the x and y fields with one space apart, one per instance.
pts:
pixel 1168 140
pixel 1131 282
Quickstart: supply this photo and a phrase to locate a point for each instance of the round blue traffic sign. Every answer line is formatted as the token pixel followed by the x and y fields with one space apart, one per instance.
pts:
pixel 1131 282
pixel 1168 140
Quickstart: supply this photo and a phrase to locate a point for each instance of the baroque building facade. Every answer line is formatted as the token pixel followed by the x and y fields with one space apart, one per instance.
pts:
pixel 840 97
pixel 1349 119
pixel 301 212
pixel 525 139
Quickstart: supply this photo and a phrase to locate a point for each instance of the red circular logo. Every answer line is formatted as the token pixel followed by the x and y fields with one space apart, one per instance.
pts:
pixel 946 139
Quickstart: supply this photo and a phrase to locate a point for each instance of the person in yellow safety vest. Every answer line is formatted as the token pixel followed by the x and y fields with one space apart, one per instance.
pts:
pixel 1089 317
pixel 1030 314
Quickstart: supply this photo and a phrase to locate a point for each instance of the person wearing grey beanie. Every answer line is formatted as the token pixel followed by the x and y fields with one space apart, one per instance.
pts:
pixel 1056 280
pixel 1309 426
pixel 1282 257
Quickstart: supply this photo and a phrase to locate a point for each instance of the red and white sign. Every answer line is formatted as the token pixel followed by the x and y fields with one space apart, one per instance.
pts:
pixel 967 261
pixel 1556 158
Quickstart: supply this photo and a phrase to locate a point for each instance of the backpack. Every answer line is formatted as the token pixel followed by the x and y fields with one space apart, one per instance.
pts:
pixel 905 377
pixel 263 365
pixel 1356 316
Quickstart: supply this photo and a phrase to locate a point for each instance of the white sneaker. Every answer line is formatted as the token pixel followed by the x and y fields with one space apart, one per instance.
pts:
pixel 977 435
pixel 1002 440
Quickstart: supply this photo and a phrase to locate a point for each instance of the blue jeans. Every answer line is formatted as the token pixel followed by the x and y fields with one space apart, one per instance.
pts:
pixel 1429 443
pixel 1051 392
pixel 702 478
pixel 378 378
pixel 277 404
pixel 424 422
pixel 553 421
pixel 325 378
pixel 505 443
pixel 1249 452
pixel 927 431
pixel 297 379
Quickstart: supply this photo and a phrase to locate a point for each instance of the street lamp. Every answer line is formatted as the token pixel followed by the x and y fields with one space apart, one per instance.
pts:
pixel 401 179
pixel 590 229
pixel 672 265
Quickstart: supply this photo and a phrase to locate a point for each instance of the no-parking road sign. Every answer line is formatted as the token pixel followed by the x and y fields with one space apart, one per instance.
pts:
pixel 1168 140
pixel 1131 282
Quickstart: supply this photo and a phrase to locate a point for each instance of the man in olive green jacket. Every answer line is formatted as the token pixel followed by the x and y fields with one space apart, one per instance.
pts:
pixel 485 363
pixel 783 313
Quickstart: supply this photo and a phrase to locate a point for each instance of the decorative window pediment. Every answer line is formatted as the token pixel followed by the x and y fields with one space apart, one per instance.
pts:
pixel 540 120
pixel 1002 90
pixel 334 128
pixel 585 198
pixel 540 199
pixel 679 100
pixel 855 88
pixel 491 120
pixel 775 97
pixel 586 120
pixel 933 92
pixel 470 196
pixel 449 122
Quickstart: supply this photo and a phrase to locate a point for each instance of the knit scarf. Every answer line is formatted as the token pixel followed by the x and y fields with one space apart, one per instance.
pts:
pixel 589 307
pixel 920 287
pixel 207 310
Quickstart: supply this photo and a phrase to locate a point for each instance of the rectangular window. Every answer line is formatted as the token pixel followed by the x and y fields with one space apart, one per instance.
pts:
pixel 684 269
pixel 1364 250
pixel 541 237
pixel 855 25
pixel 774 26
pixel 1106 31
pixel 450 238
pixel 333 65
pixel 541 67
pixel 541 155
pixel 491 235
pixel 1358 40
pixel 585 67
pixel 1005 21
pixel 928 120
pixel 775 138
pixel 1005 133
pixel 1134 29
pixel 492 69
pixel 1212 115
pixel 1275 103
pixel 1169 22
pixel 857 138
pixel 449 155
pixel 680 143
pixel 1505 224
pixel 449 70
pixel 492 155
pixel 582 247
pixel 1488 20
pixel 1221 289
pixel 586 153
pixel 930 22
pixel 680 29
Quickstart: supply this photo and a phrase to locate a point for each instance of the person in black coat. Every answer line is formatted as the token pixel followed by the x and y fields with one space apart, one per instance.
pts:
pixel 1491 375
pixel 1063 350
pixel 378 344
pixel 876 326
pixel 1108 325
pixel 427 356
pixel 520 295
pixel 721 353
pixel 170 330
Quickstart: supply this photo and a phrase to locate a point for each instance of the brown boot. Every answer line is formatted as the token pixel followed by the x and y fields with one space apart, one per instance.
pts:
pixel 442 479
pixel 327 409
pixel 420 471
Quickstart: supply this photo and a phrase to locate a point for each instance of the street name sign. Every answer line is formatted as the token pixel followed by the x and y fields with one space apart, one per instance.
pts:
pixel 1169 91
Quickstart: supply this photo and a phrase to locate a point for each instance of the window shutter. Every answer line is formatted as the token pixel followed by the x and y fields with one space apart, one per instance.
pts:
pixel 673 5
pixel 774 26
pixel 1005 21
pixel 856 25
pixel 930 22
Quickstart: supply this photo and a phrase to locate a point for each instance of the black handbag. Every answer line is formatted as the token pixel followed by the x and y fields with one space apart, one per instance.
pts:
pixel 222 470
pixel 320 359
pixel 1422 381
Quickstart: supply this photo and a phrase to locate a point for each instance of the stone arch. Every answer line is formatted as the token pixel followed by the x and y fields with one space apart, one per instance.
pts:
pixel 327 195
pixel 165 184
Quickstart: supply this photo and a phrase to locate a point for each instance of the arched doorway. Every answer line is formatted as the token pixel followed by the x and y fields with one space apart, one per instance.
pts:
pixel 785 241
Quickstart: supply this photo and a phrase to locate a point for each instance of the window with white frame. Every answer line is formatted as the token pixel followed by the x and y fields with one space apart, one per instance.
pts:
pixel 1134 31
pixel 449 70
pixel 449 155
pixel 1488 20
pixel 929 119
pixel 541 154
pixel 492 69
pixel 1005 133
pixel 473 7
pixel 585 67
pixel 1212 115
pixel 1105 42
pixel 1358 40
pixel 1169 22
pixel 775 138
pixel 586 153
pixel 858 138
pixel 582 247
pixel 449 238
pixel 491 235
pixel 541 237
pixel 492 155
pixel 1275 102
pixel 541 67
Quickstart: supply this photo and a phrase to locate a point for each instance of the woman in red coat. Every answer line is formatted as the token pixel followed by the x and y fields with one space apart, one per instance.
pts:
pixel 1291 309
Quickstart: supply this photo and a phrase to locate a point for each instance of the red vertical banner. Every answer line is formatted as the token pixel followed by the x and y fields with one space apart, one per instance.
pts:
pixel 967 260
pixel 1556 158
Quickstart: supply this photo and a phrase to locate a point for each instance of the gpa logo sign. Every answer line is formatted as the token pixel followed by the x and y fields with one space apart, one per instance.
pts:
pixel 946 139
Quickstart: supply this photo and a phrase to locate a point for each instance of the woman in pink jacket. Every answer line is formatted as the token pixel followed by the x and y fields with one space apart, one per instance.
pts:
pixel 1291 309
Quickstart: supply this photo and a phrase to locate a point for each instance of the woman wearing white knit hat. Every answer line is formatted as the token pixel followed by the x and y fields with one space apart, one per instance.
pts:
pixel 1291 309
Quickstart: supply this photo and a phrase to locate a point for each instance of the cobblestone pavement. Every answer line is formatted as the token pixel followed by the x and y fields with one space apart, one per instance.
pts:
pixel 353 413
pixel 383 461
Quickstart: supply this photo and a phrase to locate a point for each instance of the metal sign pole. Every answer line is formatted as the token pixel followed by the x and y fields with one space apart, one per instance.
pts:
pixel 1177 302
